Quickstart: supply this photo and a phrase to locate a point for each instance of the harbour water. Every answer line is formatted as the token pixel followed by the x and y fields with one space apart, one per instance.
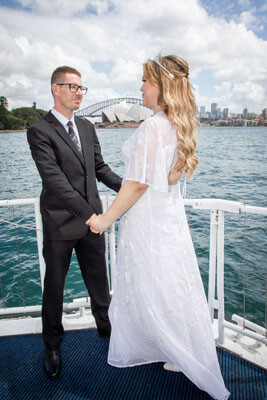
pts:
pixel 232 166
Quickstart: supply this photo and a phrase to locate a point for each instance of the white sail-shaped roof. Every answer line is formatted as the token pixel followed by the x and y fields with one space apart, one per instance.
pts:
pixel 108 116
pixel 138 113
pixel 93 120
pixel 121 117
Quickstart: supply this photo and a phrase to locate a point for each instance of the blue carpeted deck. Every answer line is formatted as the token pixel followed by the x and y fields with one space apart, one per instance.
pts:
pixel 86 375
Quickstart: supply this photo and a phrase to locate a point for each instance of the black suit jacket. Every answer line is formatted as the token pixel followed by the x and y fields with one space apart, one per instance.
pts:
pixel 69 195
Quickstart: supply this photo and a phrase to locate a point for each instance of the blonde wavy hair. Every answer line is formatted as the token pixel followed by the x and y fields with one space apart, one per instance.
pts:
pixel 178 102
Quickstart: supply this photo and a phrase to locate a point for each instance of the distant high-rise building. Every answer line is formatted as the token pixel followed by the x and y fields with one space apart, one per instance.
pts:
pixel 202 109
pixel 245 112
pixel 219 114
pixel 225 112
pixel 213 109
pixel 264 113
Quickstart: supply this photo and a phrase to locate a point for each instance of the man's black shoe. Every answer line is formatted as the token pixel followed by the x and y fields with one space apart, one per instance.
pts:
pixel 52 363
pixel 104 334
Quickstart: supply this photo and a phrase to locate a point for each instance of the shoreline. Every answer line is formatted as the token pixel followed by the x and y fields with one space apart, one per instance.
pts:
pixel 12 130
pixel 117 125
pixel 135 125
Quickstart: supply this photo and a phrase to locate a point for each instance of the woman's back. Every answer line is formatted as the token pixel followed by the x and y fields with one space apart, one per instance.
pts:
pixel 151 152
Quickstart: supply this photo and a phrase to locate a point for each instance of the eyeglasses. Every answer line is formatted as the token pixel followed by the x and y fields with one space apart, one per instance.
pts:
pixel 74 88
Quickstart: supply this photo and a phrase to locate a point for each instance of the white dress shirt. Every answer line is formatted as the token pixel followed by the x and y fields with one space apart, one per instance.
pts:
pixel 63 120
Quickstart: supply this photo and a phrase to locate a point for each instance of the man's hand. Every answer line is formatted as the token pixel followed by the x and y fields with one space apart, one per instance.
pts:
pixel 89 221
pixel 98 223
pixel 92 217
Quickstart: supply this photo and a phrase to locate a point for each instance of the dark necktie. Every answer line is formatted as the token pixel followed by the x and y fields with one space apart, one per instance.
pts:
pixel 73 136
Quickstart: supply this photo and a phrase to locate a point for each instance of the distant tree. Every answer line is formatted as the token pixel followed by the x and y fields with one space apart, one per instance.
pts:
pixel 14 122
pixel 41 112
pixel 24 112
pixel 27 112
pixel 3 112
pixel 18 118
pixel 3 102
pixel 31 120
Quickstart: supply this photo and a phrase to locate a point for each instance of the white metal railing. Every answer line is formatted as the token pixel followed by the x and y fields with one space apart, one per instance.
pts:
pixel 217 208
pixel 216 264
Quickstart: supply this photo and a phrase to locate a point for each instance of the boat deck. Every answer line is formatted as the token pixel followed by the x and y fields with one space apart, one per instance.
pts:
pixel 86 375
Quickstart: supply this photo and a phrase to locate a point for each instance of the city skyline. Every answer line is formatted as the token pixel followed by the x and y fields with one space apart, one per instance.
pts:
pixel 226 112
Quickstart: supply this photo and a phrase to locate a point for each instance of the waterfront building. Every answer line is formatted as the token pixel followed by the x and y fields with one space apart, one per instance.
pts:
pixel 208 114
pixel 225 112
pixel 245 112
pixel 251 115
pixel 219 114
pixel 213 108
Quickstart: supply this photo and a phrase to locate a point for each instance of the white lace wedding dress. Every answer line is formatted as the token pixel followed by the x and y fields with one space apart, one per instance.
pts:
pixel 159 310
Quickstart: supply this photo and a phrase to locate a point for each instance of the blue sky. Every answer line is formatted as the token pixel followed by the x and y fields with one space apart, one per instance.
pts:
pixel 108 40
pixel 231 10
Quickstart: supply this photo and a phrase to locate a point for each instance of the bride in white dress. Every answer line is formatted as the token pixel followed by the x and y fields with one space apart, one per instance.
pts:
pixel 159 311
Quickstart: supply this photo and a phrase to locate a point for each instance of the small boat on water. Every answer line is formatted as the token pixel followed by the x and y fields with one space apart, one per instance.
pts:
pixel 241 344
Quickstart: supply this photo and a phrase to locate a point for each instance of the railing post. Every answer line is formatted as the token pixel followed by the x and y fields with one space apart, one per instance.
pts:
pixel 212 263
pixel 220 274
pixel 39 236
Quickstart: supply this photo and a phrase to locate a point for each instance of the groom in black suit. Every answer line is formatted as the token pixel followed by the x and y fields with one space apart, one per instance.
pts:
pixel 68 157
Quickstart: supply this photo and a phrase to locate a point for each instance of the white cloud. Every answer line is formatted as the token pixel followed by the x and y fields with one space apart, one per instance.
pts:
pixel 244 3
pixel 110 43
pixel 251 21
pixel 247 18
pixel 237 95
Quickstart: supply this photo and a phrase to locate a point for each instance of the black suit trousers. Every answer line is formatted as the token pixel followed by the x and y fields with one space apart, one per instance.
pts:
pixel 90 251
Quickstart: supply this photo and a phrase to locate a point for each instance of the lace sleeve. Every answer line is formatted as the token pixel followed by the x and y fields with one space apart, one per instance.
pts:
pixel 147 158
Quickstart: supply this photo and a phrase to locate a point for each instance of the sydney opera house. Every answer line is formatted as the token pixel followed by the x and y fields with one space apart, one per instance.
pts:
pixel 122 112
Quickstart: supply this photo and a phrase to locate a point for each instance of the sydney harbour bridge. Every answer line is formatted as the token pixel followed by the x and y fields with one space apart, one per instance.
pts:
pixel 90 110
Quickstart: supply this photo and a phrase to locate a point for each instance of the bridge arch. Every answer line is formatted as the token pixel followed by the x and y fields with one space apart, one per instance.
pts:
pixel 88 111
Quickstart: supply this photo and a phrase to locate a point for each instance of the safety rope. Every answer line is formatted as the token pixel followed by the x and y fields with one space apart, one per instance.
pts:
pixel 19 225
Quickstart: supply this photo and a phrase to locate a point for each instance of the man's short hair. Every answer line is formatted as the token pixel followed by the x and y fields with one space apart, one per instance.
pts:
pixel 58 74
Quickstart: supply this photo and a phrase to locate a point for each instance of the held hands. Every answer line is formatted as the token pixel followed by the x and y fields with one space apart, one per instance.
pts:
pixel 98 223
